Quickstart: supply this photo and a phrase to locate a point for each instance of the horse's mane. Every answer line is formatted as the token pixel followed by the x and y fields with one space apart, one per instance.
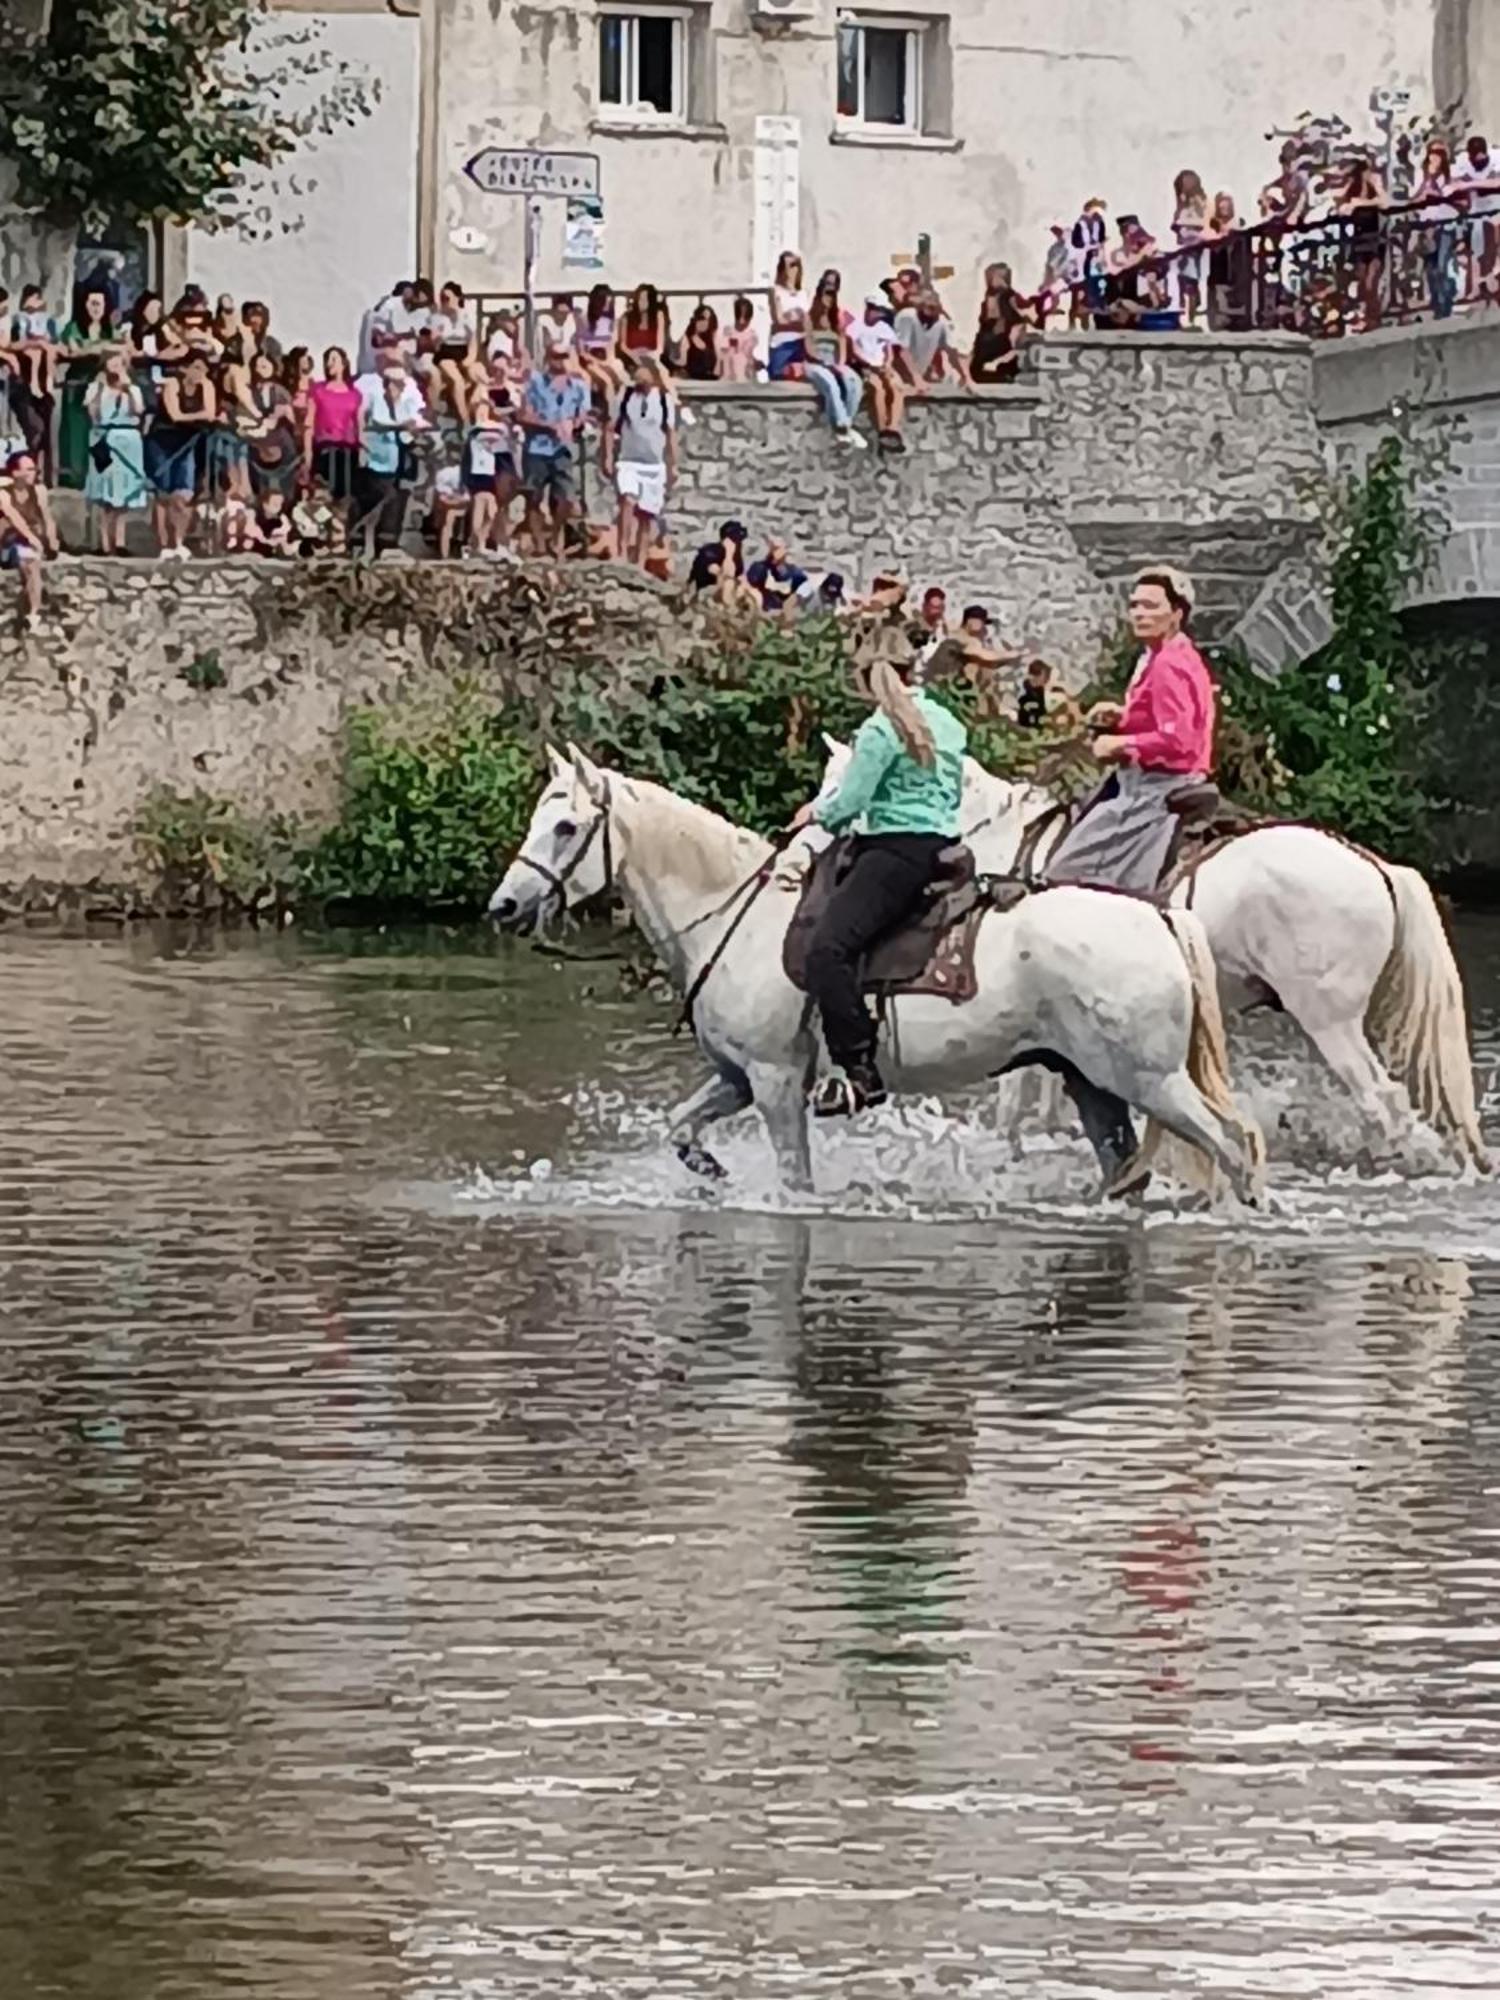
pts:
pixel 671 835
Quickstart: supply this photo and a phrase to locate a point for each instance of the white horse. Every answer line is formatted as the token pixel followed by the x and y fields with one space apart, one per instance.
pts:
pixel 1124 999
pixel 1351 947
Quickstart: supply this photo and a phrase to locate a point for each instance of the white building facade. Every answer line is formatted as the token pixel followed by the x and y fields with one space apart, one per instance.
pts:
pixel 727 130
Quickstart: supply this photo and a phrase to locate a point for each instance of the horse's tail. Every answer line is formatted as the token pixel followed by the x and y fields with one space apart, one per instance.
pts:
pixel 1416 1020
pixel 1207 1064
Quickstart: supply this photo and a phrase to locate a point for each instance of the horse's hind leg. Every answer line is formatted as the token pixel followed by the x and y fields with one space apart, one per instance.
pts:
pixel 723 1095
pixel 1381 1101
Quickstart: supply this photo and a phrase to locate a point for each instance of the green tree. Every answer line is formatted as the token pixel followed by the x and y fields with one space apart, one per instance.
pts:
pixel 164 110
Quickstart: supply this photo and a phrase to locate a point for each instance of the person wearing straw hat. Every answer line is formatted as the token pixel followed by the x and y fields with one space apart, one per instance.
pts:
pixel 1157 742
pixel 902 790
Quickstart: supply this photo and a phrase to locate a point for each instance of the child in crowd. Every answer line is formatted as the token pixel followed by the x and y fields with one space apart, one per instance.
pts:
pixel 270 529
pixel 313 520
pixel 738 360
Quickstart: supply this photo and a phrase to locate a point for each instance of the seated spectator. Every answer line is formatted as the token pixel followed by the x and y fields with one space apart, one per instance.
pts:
pixel 719 565
pixel 789 307
pixel 115 485
pixel 452 342
pixel 645 328
pixel 507 365
pixel 1002 325
pixel 1132 290
pixel 905 288
pixel 826 346
pixel 874 354
pixel 553 411
pixel 270 531
pixel 972 652
pixel 885 597
pixel 775 579
pixel 597 331
pixel 557 326
pixel 925 338
pixel 700 347
pixel 738 360
pixel 640 454
pixel 314 520
pixel 28 533
pixel 819 597
pixel 335 428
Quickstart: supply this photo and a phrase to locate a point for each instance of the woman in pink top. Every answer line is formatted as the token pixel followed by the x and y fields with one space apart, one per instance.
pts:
pixel 738 360
pixel 1160 741
pixel 335 426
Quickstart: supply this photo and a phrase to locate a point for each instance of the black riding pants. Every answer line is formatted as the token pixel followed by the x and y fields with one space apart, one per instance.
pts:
pixel 885 882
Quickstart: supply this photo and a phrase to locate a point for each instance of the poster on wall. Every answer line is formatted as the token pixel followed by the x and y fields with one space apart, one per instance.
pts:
pixel 583 234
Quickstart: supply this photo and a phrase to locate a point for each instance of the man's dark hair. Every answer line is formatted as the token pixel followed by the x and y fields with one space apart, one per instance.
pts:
pixel 15 459
pixel 1164 582
pixel 976 611
pixel 733 531
pixel 1035 668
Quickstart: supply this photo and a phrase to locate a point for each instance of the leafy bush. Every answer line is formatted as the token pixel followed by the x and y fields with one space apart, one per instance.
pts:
pixel 208 856
pixel 434 795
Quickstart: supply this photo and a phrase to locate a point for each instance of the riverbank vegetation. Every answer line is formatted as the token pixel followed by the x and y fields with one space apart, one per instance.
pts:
pixel 436 791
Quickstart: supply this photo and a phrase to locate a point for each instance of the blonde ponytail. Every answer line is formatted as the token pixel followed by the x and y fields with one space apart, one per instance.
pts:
pixel 894 700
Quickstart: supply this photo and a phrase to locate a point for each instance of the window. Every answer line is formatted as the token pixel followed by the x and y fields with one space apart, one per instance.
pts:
pixel 643 65
pixel 880 72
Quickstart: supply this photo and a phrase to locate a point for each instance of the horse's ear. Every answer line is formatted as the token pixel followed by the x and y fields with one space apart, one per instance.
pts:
pixel 833 746
pixel 587 774
pixel 557 763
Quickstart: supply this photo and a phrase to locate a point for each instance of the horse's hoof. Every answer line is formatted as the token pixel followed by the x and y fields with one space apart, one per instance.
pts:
pixel 1132 1179
pixel 699 1160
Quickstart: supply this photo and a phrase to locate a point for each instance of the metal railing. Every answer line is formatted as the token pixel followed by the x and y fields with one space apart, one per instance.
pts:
pixel 1339 274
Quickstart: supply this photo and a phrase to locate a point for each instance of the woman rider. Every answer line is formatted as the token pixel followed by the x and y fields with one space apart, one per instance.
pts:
pixel 903 787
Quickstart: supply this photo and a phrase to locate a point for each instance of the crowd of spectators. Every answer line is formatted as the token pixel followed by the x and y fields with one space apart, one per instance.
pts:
pixel 195 415
pixel 1340 243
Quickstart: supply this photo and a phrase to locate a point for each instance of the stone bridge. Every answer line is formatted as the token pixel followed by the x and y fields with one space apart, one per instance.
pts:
pixel 1210 451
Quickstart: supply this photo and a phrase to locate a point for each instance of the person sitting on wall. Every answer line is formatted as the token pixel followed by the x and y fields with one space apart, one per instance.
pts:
pixel 775 579
pixel 719 566
pixel 925 337
pixel 28 533
pixel 875 355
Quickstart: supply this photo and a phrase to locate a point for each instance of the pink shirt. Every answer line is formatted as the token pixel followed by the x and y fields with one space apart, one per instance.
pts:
pixel 1168 724
pixel 335 412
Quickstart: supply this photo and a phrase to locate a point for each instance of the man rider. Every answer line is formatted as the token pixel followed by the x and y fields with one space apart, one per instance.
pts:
pixel 902 787
pixel 1158 741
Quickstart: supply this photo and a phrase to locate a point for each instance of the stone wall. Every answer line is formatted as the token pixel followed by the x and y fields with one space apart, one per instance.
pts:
pixel 1038 500
pixel 101 706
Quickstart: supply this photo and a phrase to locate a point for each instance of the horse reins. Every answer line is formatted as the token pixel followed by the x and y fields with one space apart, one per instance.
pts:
pixel 557 880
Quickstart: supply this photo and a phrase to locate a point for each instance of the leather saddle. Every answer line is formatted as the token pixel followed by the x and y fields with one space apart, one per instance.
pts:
pixel 933 952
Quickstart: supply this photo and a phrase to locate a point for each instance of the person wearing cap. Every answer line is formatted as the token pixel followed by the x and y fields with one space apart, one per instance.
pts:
pixel 873 351
pixel 553 411
pixel 1155 743
pixel 818 597
pixel 901 791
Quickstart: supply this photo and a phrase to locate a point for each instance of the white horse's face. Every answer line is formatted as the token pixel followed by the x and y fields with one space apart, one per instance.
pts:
pixel 565 857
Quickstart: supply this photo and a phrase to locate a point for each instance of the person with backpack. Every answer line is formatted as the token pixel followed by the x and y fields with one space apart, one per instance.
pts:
pixel 640 454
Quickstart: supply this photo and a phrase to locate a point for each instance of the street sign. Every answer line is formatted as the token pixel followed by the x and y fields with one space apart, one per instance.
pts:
pixel 523 170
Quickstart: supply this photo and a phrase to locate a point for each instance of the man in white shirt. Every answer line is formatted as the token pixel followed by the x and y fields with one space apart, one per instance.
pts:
pixel 1478 170
pixel 874 354
pixel 926 339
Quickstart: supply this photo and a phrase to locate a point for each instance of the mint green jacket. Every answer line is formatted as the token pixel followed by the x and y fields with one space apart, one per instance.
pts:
pixel 889 790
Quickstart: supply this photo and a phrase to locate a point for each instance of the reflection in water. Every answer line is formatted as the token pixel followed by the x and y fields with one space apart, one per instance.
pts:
pixel 637 1596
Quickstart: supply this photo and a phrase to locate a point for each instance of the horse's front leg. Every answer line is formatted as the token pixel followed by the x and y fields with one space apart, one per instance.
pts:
pixel 781 1099
pixel 720 1097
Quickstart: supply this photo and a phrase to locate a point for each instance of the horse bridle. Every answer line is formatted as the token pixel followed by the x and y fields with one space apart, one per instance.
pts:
pixel 557 879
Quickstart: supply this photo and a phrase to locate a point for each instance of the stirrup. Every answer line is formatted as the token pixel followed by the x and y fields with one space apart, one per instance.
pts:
pixel 844 1096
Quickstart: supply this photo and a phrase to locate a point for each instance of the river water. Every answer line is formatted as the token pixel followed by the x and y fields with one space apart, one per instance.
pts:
pixel 442 1555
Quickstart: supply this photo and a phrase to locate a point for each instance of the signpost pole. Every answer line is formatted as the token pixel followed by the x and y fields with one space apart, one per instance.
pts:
pixel 533 249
